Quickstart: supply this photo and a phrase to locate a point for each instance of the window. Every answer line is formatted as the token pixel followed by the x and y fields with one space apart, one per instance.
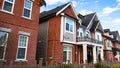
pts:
pixel 3 43
pixel 8 5
pixel 22 46
pixel 67 54
pixel 69 25
pixel 80 34
pixel 98 37
pixel 27 8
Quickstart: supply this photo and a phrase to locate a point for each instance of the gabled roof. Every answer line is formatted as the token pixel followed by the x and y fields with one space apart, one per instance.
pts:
pixel 56 11
pixel 87 19
pixel 115 34
pixel 107 30
pixel 94 26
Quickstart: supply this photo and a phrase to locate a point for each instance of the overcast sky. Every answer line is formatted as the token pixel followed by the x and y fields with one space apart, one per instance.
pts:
pixel 108 11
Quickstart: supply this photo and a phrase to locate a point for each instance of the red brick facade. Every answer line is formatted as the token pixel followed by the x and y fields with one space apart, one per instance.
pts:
pixel 17 23
pixel 55 47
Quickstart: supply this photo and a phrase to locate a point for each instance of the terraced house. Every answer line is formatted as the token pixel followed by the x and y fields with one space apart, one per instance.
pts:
pixel 111 45
pixel 67 37
pixel 89 39
pixel 18 29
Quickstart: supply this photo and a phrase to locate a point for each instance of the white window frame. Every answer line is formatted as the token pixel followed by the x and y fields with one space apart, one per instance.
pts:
pixel 12 6
pixel 68 53
pixel 27 9
pixel 5 46
pixel 69 25
pixel 22 47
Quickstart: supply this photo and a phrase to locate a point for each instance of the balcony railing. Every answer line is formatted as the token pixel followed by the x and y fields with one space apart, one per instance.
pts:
pixel 81 39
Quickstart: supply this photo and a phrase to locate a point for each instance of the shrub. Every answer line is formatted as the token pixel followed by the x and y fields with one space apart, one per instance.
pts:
pixel 67 66
pixel 116 66
pixel 100 65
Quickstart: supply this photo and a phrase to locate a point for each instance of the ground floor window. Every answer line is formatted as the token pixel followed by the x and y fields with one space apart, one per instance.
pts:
pixel 22 47
pixel 67 54
pixel 3 43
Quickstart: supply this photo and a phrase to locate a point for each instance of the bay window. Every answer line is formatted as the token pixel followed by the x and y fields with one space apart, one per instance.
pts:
pixel 69 24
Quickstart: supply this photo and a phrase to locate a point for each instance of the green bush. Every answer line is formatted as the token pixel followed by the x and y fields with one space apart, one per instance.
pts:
pixel 67 66
pixel 116 66
pixel 100 65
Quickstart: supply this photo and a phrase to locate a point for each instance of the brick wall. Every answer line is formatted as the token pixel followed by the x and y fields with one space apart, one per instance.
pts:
pixel 17 23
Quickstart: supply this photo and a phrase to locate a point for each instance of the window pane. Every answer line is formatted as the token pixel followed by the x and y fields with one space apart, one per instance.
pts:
pixel 21 53
pixel 69 55
pixel 28 4
pixel 64 56
pixel 67 26
pixel 7 6
pixel 3 41
pixel 22 41
pixel 71 28
pixel 26 13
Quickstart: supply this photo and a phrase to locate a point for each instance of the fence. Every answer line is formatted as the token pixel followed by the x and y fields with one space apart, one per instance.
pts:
pixel 27 65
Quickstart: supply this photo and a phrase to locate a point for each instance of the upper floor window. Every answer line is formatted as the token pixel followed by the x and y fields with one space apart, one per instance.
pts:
pixel 27 8
pixel 69 25
pixel 22 47
pixel 8 5
pixel 3 43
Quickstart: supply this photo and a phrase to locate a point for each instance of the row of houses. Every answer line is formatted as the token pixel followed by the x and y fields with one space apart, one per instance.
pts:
pixel 58 35
pixel 67 37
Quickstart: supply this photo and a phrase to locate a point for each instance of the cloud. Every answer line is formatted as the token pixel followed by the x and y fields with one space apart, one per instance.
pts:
pixel 84 12
pixel 52 2
pixel 118 0
pixel 109 10
pixel 74 3
pixel 116 21
pixel 96 1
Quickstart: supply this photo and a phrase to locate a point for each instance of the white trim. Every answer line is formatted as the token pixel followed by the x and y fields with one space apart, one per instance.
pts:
pixel 5 29
pixel 11 9
pixel 62 28
pixel 24 33
pixel 69 42
pixel 27 9
pixel 89 43
pixel 69 4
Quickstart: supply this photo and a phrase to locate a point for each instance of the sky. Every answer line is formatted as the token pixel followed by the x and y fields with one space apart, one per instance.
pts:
pixel 108 11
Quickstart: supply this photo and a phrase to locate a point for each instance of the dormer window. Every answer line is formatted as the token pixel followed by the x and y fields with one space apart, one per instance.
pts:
pixel 27 9
pixel 8 5
pixel 69 24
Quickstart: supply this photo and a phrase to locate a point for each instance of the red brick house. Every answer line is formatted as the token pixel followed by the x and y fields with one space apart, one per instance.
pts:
pixel 57 35
pixel 18 29
pixel 111 45
pixel 108 45
pixel 116 45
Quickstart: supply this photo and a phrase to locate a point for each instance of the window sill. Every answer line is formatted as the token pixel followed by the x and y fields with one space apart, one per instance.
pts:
pixel 6 12
pixel 26 18
pixel 2 60
pixel 21 60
